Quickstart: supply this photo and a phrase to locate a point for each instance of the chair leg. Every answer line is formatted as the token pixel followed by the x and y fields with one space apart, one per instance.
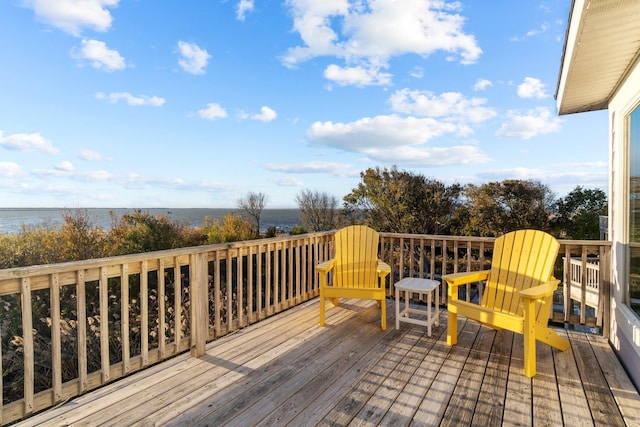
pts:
pixel 452 328
pixel 529 339
pixel 383 313
pixel 550 337
pixel 322 307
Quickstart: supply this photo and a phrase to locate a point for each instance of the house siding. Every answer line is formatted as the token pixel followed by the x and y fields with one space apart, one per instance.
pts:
pixel 625 325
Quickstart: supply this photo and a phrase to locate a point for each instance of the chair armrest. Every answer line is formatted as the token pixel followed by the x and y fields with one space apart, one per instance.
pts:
pixel 383 268
pixel 457 279
pixel 324 267
pixel 540 291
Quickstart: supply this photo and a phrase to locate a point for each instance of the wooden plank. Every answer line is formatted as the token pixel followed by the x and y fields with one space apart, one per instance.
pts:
pixel 489 410
pixel 623 390
pixel 314 410
pixel 435 353
pixel 436 399
pixel 546 402
pixel 518 400
pixel 465 395
pixel 398 376
pixel 249 367
pixel 575 408
pixel 347 408
pixel 133 393
pixel 603 406
pixel 311 371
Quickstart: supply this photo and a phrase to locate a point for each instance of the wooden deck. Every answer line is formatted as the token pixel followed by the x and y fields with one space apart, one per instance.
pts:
pixel 287 370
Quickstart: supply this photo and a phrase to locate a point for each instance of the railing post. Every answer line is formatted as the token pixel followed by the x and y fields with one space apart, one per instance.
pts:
pixel 198 278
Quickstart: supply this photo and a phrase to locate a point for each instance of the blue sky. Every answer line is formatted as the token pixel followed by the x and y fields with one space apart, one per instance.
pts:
pixel 164 103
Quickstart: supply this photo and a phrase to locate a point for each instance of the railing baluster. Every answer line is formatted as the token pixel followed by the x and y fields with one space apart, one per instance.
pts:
pixel 177 304
pixel 104 325
pixel 161 309
pixel 27 337
pixel 124 319
pixel 56 343
pixel 81 322
pixel 144 313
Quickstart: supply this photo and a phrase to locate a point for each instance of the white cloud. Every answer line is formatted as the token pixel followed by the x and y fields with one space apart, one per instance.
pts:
pixel 535 122
pixel 366 34
pixel 27 142
pixel 288 181
pixel 193 59
pixel 335 168
pixel 417 72
pixel 544 27
pixel 243 7
pixel 212 112
pixel 451 106
pixel 356 76
pixel 430 156
pixel 134 101
pixel 99 55
pixel 66 166
pixel 266 115
pixel 90 155
pixel 482 84
pixel 10 169
pixel 72 16
pixel 365 134
pixel 395 139
pixel 532 88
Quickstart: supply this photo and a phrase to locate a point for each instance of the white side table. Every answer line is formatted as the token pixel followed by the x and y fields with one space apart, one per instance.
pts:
pixel 421 287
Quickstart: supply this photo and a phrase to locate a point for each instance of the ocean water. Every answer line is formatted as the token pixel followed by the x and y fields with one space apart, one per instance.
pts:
pixel 12 219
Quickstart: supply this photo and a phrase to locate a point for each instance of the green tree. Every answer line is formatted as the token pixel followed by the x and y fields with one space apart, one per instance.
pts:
pixel 318 211
pixel 578 214
pixel 496 208
pixel 402 202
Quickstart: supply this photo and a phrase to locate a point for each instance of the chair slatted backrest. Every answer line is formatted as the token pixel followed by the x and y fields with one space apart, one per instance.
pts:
pixel 356 255
pixel 521 259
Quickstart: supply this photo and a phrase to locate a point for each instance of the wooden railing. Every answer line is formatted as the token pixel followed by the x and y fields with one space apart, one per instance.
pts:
pixel 119 315
pixel 430 256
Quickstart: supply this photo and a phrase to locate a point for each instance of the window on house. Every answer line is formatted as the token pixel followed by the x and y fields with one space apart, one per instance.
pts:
pixel 633 297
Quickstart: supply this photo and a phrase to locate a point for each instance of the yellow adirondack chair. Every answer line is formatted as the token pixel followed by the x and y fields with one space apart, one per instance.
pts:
pixel 357 271
pixel 518 292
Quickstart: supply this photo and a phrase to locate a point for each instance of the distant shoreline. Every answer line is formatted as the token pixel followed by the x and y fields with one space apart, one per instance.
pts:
pixel 12 219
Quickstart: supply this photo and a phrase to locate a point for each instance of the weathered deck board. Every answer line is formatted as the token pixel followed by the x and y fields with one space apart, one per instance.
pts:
pixel 287 370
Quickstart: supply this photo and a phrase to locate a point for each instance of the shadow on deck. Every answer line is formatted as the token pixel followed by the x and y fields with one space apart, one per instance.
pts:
pixel 287 370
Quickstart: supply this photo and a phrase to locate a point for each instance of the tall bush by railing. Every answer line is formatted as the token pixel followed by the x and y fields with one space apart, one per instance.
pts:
pixel 119 315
